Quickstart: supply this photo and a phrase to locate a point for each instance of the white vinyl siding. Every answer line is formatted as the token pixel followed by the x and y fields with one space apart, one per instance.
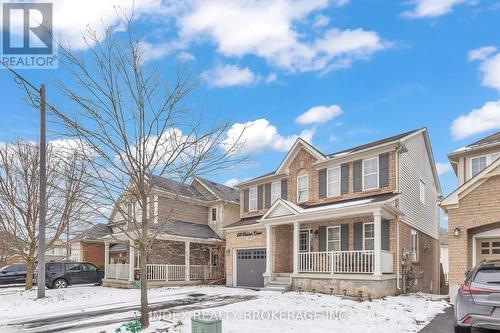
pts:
pixel 302 188
pixel 333 238
pixel 275 191
pixel 370 173
pixel 333 181
pixel 414 166
pixel 252 198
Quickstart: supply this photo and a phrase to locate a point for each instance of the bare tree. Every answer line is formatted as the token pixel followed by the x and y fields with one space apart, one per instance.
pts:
pixel 19 197
pixel 138 125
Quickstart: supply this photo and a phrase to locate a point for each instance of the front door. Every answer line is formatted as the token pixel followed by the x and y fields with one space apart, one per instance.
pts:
pixel 305 243
pixel 250 267
pixel 487 249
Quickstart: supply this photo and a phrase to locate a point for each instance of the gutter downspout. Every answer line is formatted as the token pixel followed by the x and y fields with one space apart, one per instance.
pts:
pixel 399 149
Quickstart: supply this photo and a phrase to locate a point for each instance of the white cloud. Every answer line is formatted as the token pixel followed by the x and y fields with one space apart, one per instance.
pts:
pixel 159 51
pixel 229 75
pixel 321 21
pixel 319 114
pixel 268 29
pixel 477 121
pixel 489 66
pixel 222 76
pixel 431 8
pixel 260 135
pixel 185 57
pixel 232 182
pixel 443 167
pixel 481 53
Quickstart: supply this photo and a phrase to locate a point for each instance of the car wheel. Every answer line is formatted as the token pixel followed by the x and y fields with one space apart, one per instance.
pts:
pixel 463 329
pixel 60 284
pixel 99 283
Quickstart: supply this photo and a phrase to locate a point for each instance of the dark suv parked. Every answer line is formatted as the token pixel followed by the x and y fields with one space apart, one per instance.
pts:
pixel 13 274
pixel 63 274
pixel 478 300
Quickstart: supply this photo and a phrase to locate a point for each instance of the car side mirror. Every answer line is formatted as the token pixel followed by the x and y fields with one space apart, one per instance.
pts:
pixel 467 273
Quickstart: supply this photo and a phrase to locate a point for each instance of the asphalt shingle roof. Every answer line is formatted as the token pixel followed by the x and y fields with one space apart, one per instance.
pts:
pixel 93 233
pixel 222 191
pixel 185 229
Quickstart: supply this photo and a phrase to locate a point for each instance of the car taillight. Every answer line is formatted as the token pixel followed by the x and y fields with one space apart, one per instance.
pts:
pixel 467 320
pixel 477 291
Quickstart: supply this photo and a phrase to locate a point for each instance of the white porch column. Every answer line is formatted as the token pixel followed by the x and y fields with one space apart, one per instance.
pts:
pixel 131 263
pixel 296 233
pixel 377 225
pixel 269 250
pixel 106 259
pixel 186 260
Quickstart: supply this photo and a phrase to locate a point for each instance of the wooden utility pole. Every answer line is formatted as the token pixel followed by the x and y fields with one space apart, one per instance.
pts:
pixel 43 198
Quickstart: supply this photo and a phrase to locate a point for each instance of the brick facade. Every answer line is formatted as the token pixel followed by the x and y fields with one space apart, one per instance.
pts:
pixel 92 253
pixel 478 211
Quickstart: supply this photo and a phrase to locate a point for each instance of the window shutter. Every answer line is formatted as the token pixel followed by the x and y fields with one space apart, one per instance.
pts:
pixel 322 239
pixel 383 174
pixel 385 242
pixel 358 236
pixel 357 174
pixel 284 189
pixel 344 178
pixel 267 195
pixel 322 183
pixel 344 237
pixel 246 197
pixel 260 197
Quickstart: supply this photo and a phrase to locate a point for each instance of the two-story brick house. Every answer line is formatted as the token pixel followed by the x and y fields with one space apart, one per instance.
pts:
pixel 188 221
pixel 473 208
pixel 342 222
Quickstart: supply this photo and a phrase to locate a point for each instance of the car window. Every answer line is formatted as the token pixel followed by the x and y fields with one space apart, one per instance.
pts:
pixel 6 269
pixel 19 267
pixel 488 276
pixel 53 267
pixel 73 267
pixel 89 268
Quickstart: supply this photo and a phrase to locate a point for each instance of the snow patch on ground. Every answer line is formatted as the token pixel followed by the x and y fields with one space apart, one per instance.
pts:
pixel 269 312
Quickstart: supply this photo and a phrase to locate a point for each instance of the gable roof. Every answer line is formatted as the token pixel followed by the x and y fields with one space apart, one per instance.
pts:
pixel 494 138
pixel 315 152
pixel 185 229
pixel 453 198
pixel 221 191
pixel 93 233
pixel 299 143
pixel 376 143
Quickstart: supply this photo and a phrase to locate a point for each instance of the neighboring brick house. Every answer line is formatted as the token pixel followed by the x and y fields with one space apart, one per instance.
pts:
pixel 188 221
pixel 342 222
pixel 473 208
pixel 88 245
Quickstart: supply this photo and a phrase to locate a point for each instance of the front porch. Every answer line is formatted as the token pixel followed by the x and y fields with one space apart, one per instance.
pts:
pixel 172 261
pixel 332 252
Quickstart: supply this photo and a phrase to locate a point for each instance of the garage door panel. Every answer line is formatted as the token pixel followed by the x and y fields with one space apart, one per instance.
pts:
pixel 251 265
pixel 488 249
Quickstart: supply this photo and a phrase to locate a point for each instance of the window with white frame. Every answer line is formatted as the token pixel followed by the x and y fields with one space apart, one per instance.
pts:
pixel 302 188
pixel 333 181
pixel 414 245
pixel 333 238
pixel 252 198
pixel 422 191
pixel 478 164
pixel 370 173
pixel 275 191
pixel 368 236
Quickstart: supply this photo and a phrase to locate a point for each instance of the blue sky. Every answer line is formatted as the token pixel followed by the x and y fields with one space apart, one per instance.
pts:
pixel 369 69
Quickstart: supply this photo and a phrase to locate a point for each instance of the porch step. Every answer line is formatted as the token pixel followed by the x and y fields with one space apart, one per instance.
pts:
pixel 285 279
pixel 279 283
pixel 283 275
pixel 277 287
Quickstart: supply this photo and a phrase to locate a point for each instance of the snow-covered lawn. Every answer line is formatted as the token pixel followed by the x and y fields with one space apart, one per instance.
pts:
pixel 268 312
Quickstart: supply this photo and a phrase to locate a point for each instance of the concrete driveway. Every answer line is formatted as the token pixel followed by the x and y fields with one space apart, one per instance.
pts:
pixel 443 323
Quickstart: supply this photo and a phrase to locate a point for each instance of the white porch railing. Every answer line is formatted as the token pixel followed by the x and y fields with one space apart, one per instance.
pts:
pixel 159 272
pixel 117 271
pixel 343 262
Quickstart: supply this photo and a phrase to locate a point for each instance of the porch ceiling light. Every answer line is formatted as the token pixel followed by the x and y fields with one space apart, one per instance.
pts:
pixel 456 232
